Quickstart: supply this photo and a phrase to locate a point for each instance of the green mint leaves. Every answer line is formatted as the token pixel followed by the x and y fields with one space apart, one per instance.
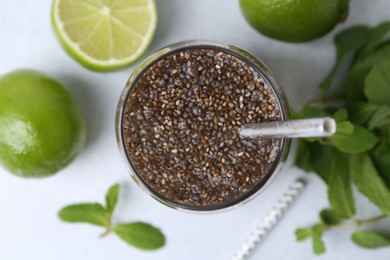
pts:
pixel 357 141
pixel 377 84
pixel 138 234
pixel 112 198
pixel 369 182
pixel 370 239
pixel 375 38
pixel 92 213
pixel 329 217
pixel 359 153
pixel 381 159
pixel 346 42
pixel 339 187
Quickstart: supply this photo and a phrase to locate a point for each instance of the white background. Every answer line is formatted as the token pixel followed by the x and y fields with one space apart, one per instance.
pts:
pixel 29 227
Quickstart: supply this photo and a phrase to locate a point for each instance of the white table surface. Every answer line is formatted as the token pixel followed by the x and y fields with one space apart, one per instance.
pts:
pixel 29 227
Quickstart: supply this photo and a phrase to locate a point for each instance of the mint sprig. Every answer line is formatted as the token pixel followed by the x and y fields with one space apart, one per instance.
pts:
pixel 359 153
pixel 138 234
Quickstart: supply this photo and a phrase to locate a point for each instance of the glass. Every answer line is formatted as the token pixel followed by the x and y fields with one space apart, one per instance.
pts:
pixel 284 144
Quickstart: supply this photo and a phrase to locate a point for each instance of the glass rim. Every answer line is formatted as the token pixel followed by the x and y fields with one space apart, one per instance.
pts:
pixel 252 61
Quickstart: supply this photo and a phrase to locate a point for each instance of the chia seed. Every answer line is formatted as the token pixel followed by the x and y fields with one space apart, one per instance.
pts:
pixel 180 127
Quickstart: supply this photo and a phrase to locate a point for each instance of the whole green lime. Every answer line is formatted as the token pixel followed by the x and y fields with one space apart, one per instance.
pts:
pixel 294 20
pixel 41 127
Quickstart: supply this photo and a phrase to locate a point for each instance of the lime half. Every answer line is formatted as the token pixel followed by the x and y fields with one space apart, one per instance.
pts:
pixel 105 35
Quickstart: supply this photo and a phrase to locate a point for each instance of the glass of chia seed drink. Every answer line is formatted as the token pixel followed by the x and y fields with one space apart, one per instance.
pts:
pixel 177 126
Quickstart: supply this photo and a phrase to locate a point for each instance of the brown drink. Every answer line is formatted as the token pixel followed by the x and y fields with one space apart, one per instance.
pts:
pixel 180 123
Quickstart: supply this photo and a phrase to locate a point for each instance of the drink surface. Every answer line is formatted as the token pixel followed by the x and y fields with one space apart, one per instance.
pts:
pixel 181 121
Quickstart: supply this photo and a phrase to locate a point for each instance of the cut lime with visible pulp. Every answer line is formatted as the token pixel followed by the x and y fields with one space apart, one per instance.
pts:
pixel 105 35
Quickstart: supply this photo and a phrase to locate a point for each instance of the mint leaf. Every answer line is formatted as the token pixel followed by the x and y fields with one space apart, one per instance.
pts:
pixel 347 42
pixel 312 156
pixel 112 197
pixel 358 141
pixel 380 54
pixel 341 115
pixel 318 245
pixel 369 182
pixel 351 40
pixel 141 235
pixel 330 217
pixel 344 128
pixel 369 239
pixel 302 234
pixel 93 213
pixel 339 187
pixel 322 161
pixel 376 38
pixel 303 158
pixel 360 113
pixel 381 158
pixel 354 83
pixel 379 117
pixel 377 84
